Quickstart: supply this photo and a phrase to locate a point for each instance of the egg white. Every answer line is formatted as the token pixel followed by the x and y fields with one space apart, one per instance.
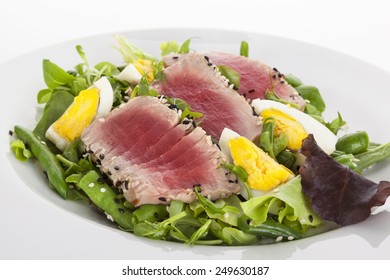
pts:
pixel 106 96
pixel 130 74
pixel 323 136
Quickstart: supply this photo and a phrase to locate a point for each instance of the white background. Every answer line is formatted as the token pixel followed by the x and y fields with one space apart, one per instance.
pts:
pixel 359 28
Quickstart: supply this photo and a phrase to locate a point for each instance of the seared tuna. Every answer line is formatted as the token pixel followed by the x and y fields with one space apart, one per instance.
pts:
pixel 256 78
pixel 154 157
pixel 195 80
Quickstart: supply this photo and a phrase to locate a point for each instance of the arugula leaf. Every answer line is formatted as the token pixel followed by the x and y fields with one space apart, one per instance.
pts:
pixel 54 75
pixel 185 47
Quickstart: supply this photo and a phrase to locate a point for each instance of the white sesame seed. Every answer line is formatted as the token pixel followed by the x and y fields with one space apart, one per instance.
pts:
pixel 101 119
pixel 91 185
pixel 279 238
pixel 209 196
pixel 43 142
pixel 103 190
pixel 290 238
pixel 109 217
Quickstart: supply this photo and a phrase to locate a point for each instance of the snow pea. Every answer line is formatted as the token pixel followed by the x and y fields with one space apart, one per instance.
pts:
pixel 269 229
pixel 151 213
pixel 372 156
pixel 353 143
pixel 106 199
pixel 46 158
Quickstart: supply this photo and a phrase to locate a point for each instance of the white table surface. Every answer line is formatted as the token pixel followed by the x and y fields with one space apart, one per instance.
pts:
pixel 358 28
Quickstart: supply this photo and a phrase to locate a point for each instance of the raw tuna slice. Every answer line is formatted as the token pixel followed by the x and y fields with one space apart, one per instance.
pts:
pixel 195 80
pixel 255 77
pixel 154 157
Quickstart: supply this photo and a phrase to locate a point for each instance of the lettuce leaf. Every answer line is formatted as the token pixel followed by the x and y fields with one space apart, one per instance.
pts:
pixel 338 194
pixel 287 202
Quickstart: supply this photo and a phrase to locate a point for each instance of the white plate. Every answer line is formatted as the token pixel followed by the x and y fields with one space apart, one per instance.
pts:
pixel 37 224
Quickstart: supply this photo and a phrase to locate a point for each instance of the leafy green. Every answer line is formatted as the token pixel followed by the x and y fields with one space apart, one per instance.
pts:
pixel 20 150
pixel 287 202
pixel 169 47
pixel 54 75
pixel 313 96
pixel 292 80
pixel 174 47
pixel 337 193
pixel 130 53
pixel 244 49
pixel 232 75
pixel 336 124
pixel 56 106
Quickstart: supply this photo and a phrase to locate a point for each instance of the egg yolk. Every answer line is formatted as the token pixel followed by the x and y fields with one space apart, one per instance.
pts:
pixel 79 115
pixel 145 66
pixel 286 124
pixel 264 173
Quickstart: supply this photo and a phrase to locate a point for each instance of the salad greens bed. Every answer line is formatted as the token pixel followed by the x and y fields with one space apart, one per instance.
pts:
pixel 282 214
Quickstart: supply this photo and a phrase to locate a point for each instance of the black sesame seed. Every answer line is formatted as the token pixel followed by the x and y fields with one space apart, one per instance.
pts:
pixel 276 70
pixel 251 90
pixel 206 57
pixel 311 218
pixel 116 168
pixel 101 156
pixel 127 185
pixel 10 132
pixel 100 180
pixel 231 181
pixel 280 75
pixel 118 183
pixel 273 76
pixel 175 57
pixel 235 88
pixel 236 181
pixel 122 211
pixel 172 106
pixel 162 199
pixel 282 82
pixel 98 161
pixel 209 64
pixel 109 173
pixel 186 121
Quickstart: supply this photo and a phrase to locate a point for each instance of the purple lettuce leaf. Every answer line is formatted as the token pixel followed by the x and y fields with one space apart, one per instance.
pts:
pixel 338 194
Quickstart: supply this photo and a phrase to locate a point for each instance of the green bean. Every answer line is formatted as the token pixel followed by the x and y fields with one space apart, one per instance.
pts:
pixel 268 229
pixel 353 143
pixel 47 160
pixel 372 156
pixel 106 199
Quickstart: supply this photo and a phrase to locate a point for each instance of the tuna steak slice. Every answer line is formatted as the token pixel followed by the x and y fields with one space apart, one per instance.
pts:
pixel 198 82
pixel 155 158
pixel 255 77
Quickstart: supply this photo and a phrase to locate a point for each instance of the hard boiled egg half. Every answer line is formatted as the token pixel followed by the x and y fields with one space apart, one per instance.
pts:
pixel 133 72
pixel 94 102
pixel 296 124
pixel 264 173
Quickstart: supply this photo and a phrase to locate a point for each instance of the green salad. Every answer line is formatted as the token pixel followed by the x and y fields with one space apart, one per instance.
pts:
pixel 298 178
